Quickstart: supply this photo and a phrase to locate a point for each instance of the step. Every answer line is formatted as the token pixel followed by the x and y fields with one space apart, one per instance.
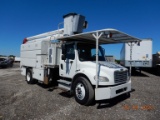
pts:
pixel 64 82
pixel 65 85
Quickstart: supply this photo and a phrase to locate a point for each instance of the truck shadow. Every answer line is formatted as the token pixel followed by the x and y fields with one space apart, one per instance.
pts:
pixel 101 104
pixel 66 94
pixel 49 87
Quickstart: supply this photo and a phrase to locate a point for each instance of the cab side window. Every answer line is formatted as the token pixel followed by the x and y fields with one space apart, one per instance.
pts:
pixel 70 53
pixel 93 52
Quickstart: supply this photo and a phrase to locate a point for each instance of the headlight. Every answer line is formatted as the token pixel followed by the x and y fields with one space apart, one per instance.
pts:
pixel 102 79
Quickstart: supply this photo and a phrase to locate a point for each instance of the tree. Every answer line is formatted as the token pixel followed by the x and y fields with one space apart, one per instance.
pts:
pixel 11 56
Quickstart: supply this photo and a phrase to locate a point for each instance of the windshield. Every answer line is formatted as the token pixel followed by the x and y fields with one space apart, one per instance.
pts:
pixel 87 52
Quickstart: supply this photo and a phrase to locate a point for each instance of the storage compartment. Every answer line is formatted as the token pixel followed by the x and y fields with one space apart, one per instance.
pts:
pixel 38 74
pixel 54 54
pixel 34 54
pixel 40 61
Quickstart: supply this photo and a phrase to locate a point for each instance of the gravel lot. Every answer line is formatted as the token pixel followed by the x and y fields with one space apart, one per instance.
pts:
pixel 20 101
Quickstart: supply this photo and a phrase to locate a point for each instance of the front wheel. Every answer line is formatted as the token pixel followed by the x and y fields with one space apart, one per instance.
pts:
pixel 83 91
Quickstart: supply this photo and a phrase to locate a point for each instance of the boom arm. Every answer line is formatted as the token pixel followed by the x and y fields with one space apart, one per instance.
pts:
pixel 52 35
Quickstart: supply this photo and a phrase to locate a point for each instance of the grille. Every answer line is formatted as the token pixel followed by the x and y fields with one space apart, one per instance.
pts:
pixel 120 76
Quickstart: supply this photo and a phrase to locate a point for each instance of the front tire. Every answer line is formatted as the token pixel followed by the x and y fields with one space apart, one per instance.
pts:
pixel 83 91
pixel 29 77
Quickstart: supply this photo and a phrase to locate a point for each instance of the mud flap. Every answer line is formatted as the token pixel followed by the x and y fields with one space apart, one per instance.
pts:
pixel 46 78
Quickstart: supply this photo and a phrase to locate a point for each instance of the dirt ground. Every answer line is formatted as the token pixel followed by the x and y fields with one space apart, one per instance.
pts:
pixel 21 101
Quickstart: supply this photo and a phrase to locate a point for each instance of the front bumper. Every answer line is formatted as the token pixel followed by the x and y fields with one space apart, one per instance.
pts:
pixel 111 92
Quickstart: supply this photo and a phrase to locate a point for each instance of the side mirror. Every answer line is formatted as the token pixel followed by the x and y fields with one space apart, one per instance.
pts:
pixel 63 57
pixel 63 49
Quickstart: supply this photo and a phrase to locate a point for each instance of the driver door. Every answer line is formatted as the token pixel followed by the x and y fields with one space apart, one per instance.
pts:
pixel 68 66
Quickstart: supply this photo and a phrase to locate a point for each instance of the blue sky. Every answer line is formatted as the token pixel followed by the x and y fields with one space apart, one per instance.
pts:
pixel 24 18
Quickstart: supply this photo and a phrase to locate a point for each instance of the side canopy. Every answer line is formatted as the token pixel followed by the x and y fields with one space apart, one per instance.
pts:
pixel 106 36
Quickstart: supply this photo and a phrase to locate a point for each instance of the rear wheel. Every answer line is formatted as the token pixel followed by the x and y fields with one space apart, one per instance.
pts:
pixel 29 77
pixel 83 91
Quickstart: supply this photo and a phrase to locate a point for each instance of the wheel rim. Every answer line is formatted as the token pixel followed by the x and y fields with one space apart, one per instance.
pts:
pixel 80 91
pixel 28 77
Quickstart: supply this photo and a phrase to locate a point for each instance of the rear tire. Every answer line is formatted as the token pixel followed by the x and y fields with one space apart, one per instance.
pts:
pixel 83 91
pixel 29 77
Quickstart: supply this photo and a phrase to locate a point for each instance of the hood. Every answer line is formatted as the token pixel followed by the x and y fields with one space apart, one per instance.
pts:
pixel 110 64
pixel 103 63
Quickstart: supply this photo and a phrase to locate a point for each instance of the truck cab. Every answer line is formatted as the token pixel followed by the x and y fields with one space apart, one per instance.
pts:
pixel 80 58
pixel 78 63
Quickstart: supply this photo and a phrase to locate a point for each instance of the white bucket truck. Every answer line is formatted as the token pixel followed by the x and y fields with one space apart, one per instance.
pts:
pixel 76 61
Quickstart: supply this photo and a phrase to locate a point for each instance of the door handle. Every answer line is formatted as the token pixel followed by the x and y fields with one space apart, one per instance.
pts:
pixel 71 62
pixel 62 66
